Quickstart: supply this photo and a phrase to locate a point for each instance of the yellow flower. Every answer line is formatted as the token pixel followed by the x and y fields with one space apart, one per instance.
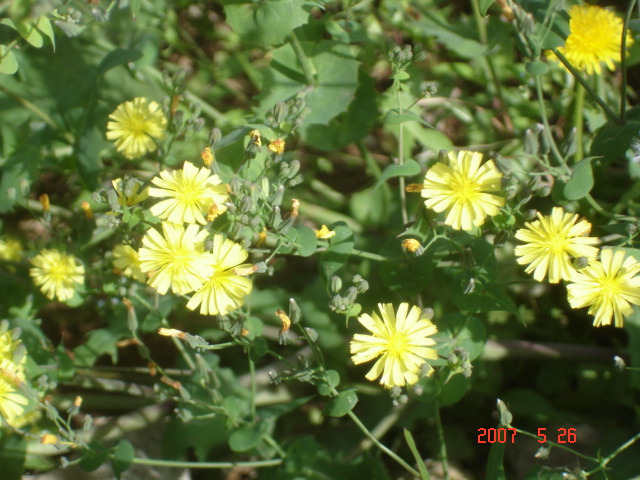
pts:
pixel 608 287
pixel 552 242
pixel 12 402
pixel 129 191
pixel 10 250
pixel 207 157
pixel 412 245
pixel 57 274
pixel 595 37
pixel 400 339
pixel 255 137
pixel 226 287
pixel 324 233
pixel 175 258
pixel 462 188
pixel 126 260
pixel 277 146
pixel 191 193
pixel 135 125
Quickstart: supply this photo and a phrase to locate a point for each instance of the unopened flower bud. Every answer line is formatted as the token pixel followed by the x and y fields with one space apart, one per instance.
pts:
pixel 277 146
pixel 215 136
pixel 412 245
pixel 207 156
pixel 44 201
pixel 335 284
pixel 86 208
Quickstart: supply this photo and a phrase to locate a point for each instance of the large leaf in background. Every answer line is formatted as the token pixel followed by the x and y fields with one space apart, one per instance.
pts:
pixel 405 274
pixel 337 254
pixel 612 140
pixel 452 37
pixel 349 126
pixel 267 22
pixel 12 453
pixel 335 84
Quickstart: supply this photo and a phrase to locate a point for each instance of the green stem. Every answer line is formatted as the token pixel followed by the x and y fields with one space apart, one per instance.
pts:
pixel 252 372
pixel 616 452
pixel 578 122
pixel 606 213
pixel 547 128
pixel 381 446
pixel 482 33
pixel 403 198
pixel 178 464
pixel 581 80
pixel 623 61
pixel 307 67
pixel 441 441
pixel 559 445
pixel 369 255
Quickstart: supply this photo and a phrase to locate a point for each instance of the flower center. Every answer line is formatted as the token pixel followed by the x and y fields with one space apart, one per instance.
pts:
pixel 464 188
pixel 610 286
pixel 397 344
pixel 137 125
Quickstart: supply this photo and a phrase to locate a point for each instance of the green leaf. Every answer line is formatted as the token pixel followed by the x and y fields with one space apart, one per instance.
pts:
pixel 88 147
pixel 342 404
pixel 337 254
pixel 470 334
pixel 266 23
pixel 370 206
pixel 122 457
pixel 245 438
pixel 258 349
pixel 612 140
pixel 405 274
pixel 95 456
pixel 409 168
pixel 456 42
pixel 27 30
pixel 8 62
pixel 44 25
pixel 135 7
pixel 495 467
pixel 581 181
pixel 424 475
pixel 307 241
pixel 505 415
pixel 484 5
pixel 332 381
pixel 393 117
pixel 537 68
pixel 117 57
pixel 101 341
pixel 12 455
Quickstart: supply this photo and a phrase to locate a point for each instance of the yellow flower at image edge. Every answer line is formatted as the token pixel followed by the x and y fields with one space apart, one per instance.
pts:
pixel 463 188
pixel 191 192
pixel 551 243
pixel 57 274
pixel 129 192
pixel 126 260
pixel 175 258
pixel 226 288
pixel 400 340
pixel 12 402
pixel 608 287
pixel 595 38
pixel 135 126
pixel 10 250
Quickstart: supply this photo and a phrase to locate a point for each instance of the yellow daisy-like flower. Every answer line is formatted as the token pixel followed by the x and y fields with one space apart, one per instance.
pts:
pixel 57 274
pixel 175 258
pixel 134 125
pixel 463 188
pixel 126 260
pixel 400 339
pixel 10 250
pixel 595 38
pixel 12 402
pixel 191 193
pixel 8 346
pixel 551 244
pixel 608 287
pixel 226 288
pixel 129 191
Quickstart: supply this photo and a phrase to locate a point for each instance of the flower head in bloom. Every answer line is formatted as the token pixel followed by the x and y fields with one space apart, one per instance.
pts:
pixel 10 249
pixel 57 274
pixel 595 38
pixel 551 244
pixel 226 287
pixel 129 191
pixel 175 258
pixel 463 187
pixel 134 125
pixel 608 287
pixel 324 233
pixel 399 340
pixel 126 260
pixel 189 193
pixel 12 401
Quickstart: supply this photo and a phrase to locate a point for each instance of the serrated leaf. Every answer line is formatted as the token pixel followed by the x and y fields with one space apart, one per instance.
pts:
pixel 581 181
pixel 409 168
pixel 8 62
pixel 342 404
pixel 122 457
